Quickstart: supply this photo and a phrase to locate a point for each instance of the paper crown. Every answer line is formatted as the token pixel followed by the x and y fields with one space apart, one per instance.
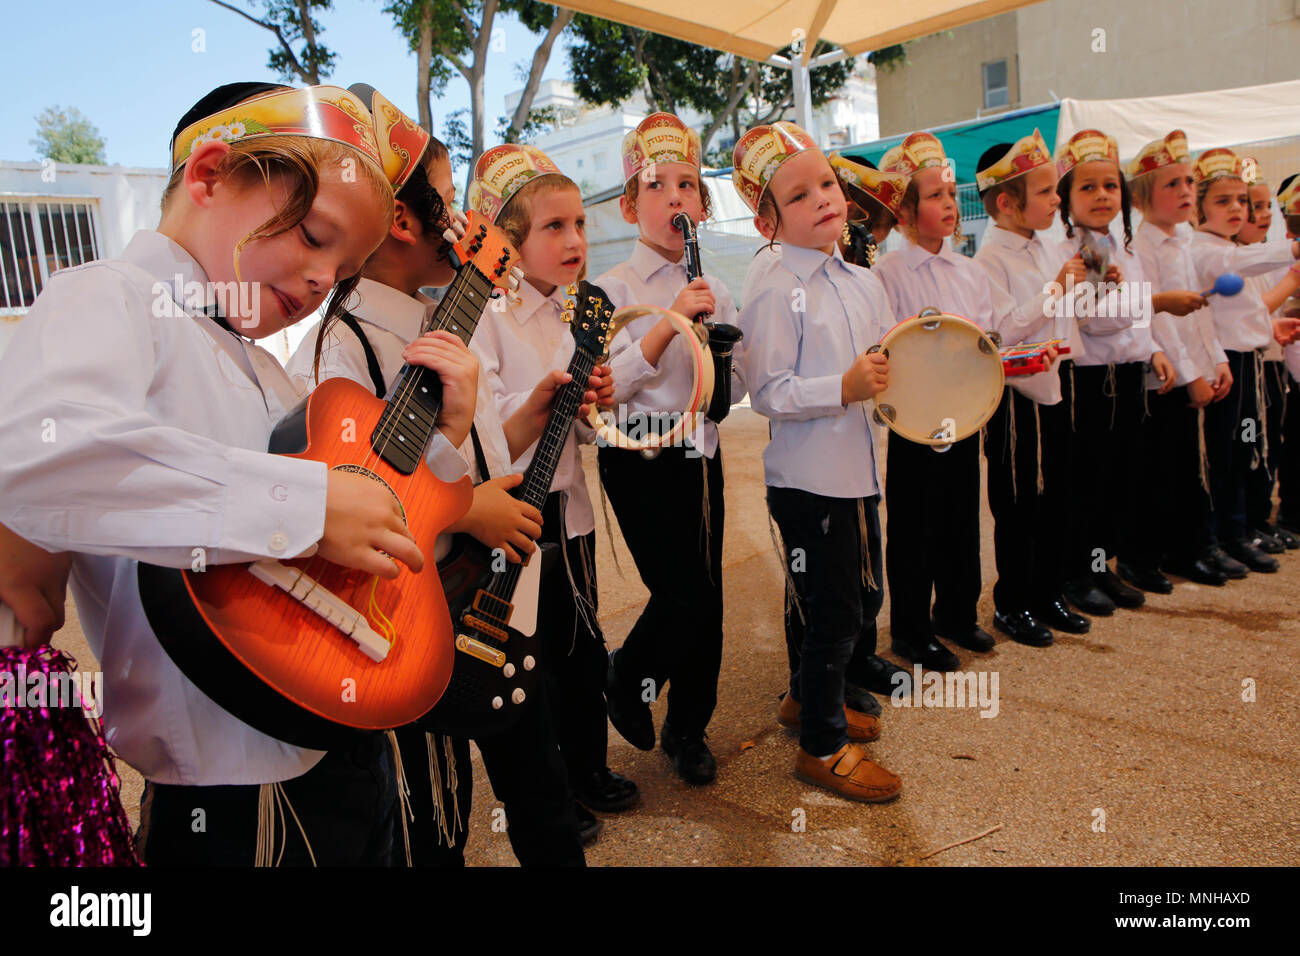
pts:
pixel 1216 163
pixel 502 171
pixel 401 140
pixel 1289 197
pixel 1250 173
pixel 918 151
pixel 1158 154
pixel 1086 146
pixel 862 181
pixel 659 138
pixel 760 152
pixel 316 112
pixel 1027 153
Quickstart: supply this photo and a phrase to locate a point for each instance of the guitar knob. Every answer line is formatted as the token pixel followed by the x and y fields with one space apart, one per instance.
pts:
pixel 518 695
pixel 508 670
pixel 529 663
pixel 497 703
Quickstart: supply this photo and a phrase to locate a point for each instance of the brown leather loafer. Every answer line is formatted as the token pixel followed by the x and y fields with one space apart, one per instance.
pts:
pixel 862 728
pixel 850 774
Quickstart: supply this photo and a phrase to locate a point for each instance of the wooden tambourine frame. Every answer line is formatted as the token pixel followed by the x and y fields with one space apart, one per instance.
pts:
pixel 697 338
pixel 954 387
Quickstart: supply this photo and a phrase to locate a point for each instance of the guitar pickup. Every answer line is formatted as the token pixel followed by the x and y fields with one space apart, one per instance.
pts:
pixel 307 591
pixel 493 607
pixel 489 655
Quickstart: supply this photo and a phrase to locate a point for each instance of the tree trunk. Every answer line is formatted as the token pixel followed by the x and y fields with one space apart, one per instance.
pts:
pixel 309 35
pixel 541 56
pixel 731 110
pixel 423 60
pixel 477 69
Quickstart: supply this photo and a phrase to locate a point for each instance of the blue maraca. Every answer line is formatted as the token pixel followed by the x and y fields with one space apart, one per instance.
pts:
pixel 1227 284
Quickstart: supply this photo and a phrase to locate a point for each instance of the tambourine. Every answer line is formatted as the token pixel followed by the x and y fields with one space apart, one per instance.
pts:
pixel 696 336
pixel 945 378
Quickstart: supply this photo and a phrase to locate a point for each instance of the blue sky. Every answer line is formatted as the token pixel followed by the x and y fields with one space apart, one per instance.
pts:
pixel 130 67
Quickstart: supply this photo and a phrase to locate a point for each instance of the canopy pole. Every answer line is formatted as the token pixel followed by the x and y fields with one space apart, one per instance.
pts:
pixel 802 82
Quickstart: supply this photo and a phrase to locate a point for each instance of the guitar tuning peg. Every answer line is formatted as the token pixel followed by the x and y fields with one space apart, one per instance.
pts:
pixel 567 316
pixel 569 304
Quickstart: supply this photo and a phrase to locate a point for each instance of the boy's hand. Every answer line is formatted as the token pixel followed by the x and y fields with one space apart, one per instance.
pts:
pixel 1073 268
pixel 1200 393
pixel 34 584
pixel 695 299
pixel 1286 330
pixel 500 520
pixel 1180 302
pixel 600 390
pixel 457 368
pixel 1164 370
pixel 1114 275
pixel 866 378
pixel 1222 381
pixel 362 519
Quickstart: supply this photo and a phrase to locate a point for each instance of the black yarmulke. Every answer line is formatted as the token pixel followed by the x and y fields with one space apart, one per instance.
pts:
pixel 991 156
pixel 223 97
pixel 1286 182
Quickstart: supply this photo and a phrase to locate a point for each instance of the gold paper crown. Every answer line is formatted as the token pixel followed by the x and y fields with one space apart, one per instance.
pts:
pixel 760 152
pixel 917 151
pixel 315 112
pixel 1289 198
pixel 862 181
pixel 1087 146
pixel 502 171
pixel 401 140
pixel 1216 163
pixel 1028 153
pixel 659 138
pixel 1158 154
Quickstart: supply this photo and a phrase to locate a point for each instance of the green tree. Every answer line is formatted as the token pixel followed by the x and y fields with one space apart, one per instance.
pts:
pixel 66 136
pixel 291 21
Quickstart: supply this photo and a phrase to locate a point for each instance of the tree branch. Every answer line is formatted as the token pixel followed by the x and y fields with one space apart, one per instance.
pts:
pixel 540 58
pixel 311 78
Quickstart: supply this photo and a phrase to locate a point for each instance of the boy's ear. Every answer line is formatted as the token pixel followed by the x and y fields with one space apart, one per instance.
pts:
pixel 1007 205
pixel 403 228
pixel 628 209
pixel 201 171
pixel 765 227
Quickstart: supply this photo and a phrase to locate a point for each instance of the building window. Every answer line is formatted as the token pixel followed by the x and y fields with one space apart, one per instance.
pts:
pixel 38 237
pixel 995 85
pixel 598 161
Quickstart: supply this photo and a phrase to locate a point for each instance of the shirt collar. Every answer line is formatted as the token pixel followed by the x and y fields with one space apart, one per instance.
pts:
pixel 1202 236
pixel 177 272
pixel 645 262
pixel 1157 236
pixel 1010 240
pixel 915 256
pixel 391 309
pixel 532 302
pixel 805 262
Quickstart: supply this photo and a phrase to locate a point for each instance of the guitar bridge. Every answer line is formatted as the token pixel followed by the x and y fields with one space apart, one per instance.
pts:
pixel 494 609
pixel 307 591
pixel 472 620
pixel 489 655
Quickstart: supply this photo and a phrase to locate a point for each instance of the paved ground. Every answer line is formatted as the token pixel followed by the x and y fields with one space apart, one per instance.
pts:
pixel 1139 727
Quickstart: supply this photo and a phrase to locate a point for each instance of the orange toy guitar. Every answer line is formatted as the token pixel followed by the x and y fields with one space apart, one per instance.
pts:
pixel 308 651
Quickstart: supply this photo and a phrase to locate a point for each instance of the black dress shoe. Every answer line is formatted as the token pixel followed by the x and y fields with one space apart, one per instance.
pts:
pixel 975 639
pixel 1249 555
pixel 1148 579
pixel 931 655
pixel 1021 627
pixel 878 676
pixel 608 792
pixel 1265 541
pixel 1118 591
pixel 629 714
pixel 588 826
pixel 1084 594
pixel 1060 618
pixel 1198 570
pixel 692 758
pixel 1221 561
pixel 1289 541
pixel 1286 524
pixel 860 699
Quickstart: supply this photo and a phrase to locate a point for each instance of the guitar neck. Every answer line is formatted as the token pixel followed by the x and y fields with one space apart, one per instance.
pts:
pixel 407 424
pixel 541 470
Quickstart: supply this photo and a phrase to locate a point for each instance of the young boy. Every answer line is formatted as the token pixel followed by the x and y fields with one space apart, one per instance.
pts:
pixel 1288 478
pixel 677 548
pixel 807 328
pixel 1026 441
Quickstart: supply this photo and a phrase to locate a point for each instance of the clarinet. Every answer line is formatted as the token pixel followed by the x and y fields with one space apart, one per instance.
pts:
pixel 722 337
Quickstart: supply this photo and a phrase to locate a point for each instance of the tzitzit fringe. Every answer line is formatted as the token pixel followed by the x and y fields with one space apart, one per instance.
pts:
pixel 447 827
pixel 706 519
pixel 1108 390
pixel 1205 458
pixel 1011 438
pixel 1038 447
pixel 1072 396
pixel 609 528
pixel 791 593
pixel 270 798
pixel 868 578
pixel 1260 455
pixel 583 601
pixel 403 793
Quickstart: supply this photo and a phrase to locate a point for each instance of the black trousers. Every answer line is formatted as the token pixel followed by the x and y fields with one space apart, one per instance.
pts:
pixel 1027 537
pixel 678 637
pixel 1259 492
pixel 836 609
pixel 1234 442
pixel 933 539
pixel 573 647
pixel 1288 468
pixel 347 805
pixel 1105 459
pixel 527 775
pixel 1173 506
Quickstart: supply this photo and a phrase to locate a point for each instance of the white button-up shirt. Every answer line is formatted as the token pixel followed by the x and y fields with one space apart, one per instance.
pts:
pixel 132 429
pixel 809 316
pixel 1168 265
pixel 516 345
pixel 1117 327
pixel 1242 321
pixel 647 278
pixel 1024 269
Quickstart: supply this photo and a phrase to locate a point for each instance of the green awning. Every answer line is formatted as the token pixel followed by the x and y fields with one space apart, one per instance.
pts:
pixel 966 142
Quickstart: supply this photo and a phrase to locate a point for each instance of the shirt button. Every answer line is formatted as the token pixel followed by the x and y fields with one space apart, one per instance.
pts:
pixel 279 541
